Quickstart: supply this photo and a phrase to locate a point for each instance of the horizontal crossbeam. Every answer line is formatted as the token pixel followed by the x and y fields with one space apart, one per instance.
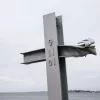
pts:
pixel 64 51
pixel 34 56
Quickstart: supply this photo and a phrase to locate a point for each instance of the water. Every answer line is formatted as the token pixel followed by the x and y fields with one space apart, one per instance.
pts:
pixel 43 96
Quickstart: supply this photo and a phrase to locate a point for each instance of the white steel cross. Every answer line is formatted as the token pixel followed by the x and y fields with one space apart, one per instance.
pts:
pixel 54 54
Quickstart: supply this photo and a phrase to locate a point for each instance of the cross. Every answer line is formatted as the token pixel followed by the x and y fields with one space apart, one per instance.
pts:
pixel 54 54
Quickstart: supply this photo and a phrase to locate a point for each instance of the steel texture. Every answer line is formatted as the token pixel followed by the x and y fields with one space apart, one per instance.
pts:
pixel 52 58
pixel 54 54
pixel 64 51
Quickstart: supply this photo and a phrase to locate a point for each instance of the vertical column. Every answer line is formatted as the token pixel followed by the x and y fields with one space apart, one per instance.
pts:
pixel 52 59
pixel 62 61
pixel 56 67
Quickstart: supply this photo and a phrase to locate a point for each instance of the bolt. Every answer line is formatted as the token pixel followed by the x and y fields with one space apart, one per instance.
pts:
pixel 50 63
pixel 50 42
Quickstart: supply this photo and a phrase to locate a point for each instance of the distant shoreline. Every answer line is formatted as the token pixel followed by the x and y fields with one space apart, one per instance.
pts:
pixel 70 91
pixel 83 91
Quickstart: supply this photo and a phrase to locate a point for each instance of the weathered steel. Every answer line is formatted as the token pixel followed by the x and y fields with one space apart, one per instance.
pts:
pixel 75 51
pixel 54 54
pixel 52 58
pixel 64 51
pixel 34 56
pixel 62 62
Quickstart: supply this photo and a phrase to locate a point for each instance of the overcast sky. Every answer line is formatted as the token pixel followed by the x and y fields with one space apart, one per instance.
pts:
pixel 21 30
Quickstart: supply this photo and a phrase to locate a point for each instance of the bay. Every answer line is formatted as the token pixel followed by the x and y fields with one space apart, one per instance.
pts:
pixel 44 96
